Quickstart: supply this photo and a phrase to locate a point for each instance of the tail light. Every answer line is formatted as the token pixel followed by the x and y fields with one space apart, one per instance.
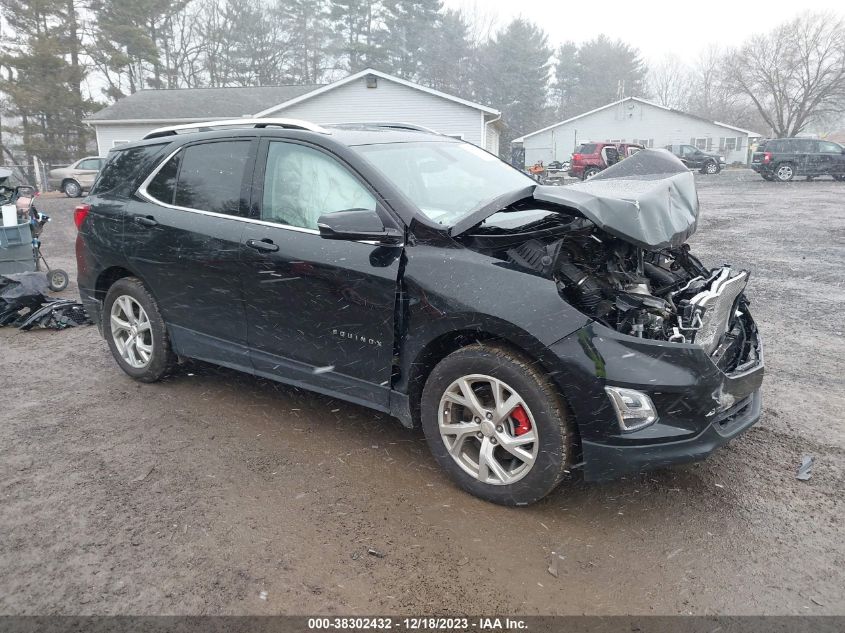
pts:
pixel 79 214
pixel 576 158
pixel 767 157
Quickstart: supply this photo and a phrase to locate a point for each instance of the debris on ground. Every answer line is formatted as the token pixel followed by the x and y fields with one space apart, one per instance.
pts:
pixel 262 595
pixel 805 470
pixel 554 564
pixel 24 304
pixel 375 552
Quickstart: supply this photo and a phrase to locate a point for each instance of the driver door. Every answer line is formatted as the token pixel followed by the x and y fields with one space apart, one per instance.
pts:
pixel 319 312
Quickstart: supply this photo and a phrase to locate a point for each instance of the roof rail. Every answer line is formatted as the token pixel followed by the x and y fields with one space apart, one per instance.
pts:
pixel 204 126
pixel 394 125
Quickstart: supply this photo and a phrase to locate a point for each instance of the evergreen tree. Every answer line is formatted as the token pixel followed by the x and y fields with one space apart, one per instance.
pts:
pixel 306 23
pixel 358 33
pixel 42 77
pixel 599 72
pixel 409 25
pixel 447 57
pixel 128 40
pixel 514 78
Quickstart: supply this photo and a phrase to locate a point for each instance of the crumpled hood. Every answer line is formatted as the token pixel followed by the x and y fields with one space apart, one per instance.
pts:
pixel 648 199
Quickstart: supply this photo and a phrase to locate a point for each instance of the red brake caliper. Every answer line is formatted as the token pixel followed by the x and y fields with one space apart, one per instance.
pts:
pixel 523 424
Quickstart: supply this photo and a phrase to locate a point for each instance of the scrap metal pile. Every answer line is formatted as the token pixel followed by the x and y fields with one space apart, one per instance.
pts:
pixel 24 304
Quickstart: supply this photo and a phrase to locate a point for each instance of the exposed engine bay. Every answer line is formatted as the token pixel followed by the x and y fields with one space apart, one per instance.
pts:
pixel 615 245
pixel 665 294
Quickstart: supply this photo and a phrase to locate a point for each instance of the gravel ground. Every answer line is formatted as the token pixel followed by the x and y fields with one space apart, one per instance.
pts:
pixel 195 495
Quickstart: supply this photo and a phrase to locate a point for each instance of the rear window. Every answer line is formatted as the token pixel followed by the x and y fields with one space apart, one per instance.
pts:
pixel 123 168
pixel 586 148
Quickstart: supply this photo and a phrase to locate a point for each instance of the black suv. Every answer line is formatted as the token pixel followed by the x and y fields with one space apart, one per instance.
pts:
pixel 783 159
pixel 694 158
pixel 530 330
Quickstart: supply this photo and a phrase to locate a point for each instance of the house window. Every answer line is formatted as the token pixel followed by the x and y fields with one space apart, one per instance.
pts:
pixel 700 143
pixel 730 144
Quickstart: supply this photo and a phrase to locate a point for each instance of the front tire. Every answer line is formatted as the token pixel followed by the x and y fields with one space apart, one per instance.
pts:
pixel 496 425
pixel 784 172
pixel 136 332
pixel 72 189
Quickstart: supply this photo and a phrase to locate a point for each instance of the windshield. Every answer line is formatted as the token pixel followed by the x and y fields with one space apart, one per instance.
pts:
pixel 445 180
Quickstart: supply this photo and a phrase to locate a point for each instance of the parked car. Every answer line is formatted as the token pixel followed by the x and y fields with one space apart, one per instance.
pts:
pixel 591 158
pixel 530 330
pixel 783 159
pixel 694 158
pixel 77 177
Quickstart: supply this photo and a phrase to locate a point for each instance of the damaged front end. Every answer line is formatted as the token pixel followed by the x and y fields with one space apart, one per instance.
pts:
pixel 671 364
pixel 615 246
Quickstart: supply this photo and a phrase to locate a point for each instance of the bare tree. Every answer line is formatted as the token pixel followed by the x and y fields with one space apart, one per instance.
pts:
pixel 794 74
pixel 668 82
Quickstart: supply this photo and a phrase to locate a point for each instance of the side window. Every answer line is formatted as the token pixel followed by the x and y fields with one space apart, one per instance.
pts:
pixel 826 147
pixel 89 163
pixel 211 176
pixel 301 184
pixel 163 186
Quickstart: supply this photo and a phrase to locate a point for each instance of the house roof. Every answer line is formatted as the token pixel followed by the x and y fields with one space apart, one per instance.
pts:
pixel 377 73
pixel 196 104
pixel 189 105
pixel 640 100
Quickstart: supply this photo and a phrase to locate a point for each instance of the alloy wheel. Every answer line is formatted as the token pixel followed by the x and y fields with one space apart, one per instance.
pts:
pixel 488 429
pixel 784 172
pixel 711 168
pixel 131 331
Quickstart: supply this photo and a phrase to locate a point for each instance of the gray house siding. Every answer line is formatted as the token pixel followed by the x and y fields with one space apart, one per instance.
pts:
pixel 633 121
pixel 354 102
pixel 108 136
pixel 346 101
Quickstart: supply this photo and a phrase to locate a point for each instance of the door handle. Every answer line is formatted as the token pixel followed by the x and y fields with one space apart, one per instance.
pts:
pixel 263 246
pixel 145 220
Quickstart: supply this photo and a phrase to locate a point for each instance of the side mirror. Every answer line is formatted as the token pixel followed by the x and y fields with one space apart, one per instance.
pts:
pixel 357 225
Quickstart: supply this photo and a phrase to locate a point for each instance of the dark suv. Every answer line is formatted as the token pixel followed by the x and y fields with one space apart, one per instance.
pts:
pixel 694 158
pixel 530 330
pixel 783 159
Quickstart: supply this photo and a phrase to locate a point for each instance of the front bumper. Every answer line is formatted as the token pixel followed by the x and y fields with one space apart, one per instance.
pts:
pixel 700 407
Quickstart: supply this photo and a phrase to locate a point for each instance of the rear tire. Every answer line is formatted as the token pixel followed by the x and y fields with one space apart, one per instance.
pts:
pixel 590 172
pixel 506 479
pixel 136 332
pixel 784 172
pixel 711 167
pixel 72 189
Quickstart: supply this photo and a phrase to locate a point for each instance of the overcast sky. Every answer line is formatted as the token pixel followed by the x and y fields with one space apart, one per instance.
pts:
pixel 655 27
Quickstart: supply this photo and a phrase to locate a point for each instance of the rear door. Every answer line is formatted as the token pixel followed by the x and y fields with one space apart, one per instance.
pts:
pixel 183 237
pixel 319 312
pixel 86 171
pixel 830 158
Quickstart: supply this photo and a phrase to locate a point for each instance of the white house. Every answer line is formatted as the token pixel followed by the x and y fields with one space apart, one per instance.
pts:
pixel 366 96
pixel 635 120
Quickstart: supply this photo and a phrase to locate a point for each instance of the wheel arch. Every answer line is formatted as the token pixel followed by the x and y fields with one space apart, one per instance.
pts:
pixel 441 346
pixel 109 276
